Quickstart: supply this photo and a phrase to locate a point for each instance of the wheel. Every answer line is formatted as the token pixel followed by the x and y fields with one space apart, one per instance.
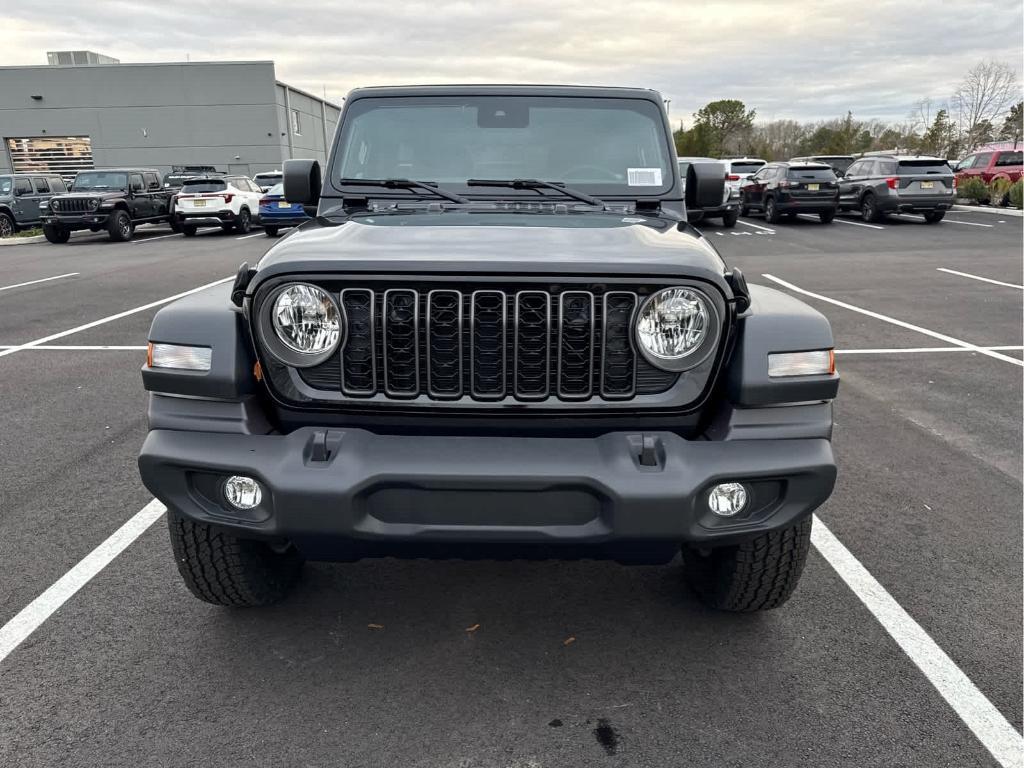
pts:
pixel 729 219
pixel 225 570
pixel 120 226
pixel 756 575
pixel 271 231
pixel 56 234
pixel 744 208
pixel 869 210
pixel 771 211
pixel 189 230
pixel 934 217
pixel 827 216
pixel 175 226
pixel 6 225
pixel 243 222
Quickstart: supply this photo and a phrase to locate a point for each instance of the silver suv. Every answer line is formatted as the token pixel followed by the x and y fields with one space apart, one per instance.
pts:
pixel 883 183
pixel 21 197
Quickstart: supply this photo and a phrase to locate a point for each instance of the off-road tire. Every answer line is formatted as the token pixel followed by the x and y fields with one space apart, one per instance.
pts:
pixel 934 217
pixel 869 209
pixel 7 227
pixel 243 222
pixel 271 231
pixel 729 219
pixel 189 230
pixel 120 226
pixel 225 570
pixel 56 234
pixel 771 211
pixel 827 216
pixel 756 575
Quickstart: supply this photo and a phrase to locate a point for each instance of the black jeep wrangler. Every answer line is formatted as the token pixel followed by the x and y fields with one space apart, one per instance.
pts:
pixel 499 338
pixel 115 199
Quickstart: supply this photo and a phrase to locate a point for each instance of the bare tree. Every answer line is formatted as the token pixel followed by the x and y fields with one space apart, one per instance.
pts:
pixel 988 90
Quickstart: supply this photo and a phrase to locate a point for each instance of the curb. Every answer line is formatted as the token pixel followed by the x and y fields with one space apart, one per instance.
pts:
pixel 42 238
pixel 987 209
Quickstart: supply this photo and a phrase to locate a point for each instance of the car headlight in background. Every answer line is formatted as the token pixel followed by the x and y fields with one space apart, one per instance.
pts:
pixel 306 320
pixel 673 324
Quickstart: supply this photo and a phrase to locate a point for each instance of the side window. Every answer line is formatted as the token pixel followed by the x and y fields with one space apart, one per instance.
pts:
pixel 22 186
pixel 296 122
pixel 135 183
pixel 867 168
pixel 253 186
pixel 42 188
pixel 887 167
pixel 1010 158
pixel 966 163
pixel 57 186
pixel 152 181
pixel 981 161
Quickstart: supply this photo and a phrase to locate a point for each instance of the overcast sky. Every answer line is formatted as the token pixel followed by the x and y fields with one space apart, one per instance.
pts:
pixel 803 59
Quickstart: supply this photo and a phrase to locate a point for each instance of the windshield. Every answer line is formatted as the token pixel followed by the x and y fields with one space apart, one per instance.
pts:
pixel 747 167
pixel 205 185
pixel 267 180
pixel 604 145
pixel 99 180
pixel 5 185
pixel 908 167
pixel 811 173
pixel 277 189
pixel 839 163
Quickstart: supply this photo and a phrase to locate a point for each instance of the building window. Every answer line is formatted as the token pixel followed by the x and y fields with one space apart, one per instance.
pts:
pixel 61 155
pixel 296 123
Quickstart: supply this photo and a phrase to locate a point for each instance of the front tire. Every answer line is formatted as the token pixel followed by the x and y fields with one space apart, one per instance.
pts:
pixel 869 209
pixel 271 231
pixel 934 217
pixel 56 235
pixel 6 225
pixel 243 222
pixel 120 227
pixel 729 219
pixel 771 211
pixel 827 216
pixel 756 575
pixel 224 570
pixel 189 230
pixel 744 208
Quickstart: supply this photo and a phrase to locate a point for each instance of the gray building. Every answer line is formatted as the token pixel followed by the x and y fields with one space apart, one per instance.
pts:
pixel 234 116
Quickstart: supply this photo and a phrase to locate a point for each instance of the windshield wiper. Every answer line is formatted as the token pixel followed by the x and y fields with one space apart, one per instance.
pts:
pixel 429 186
pixel 536 184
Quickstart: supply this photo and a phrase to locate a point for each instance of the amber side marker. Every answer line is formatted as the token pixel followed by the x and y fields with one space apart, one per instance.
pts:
pixel 257 371
pixel 831 361
pixel 149 355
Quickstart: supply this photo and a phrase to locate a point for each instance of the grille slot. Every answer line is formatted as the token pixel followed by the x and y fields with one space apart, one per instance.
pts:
pixel 74 205
pixel 537 344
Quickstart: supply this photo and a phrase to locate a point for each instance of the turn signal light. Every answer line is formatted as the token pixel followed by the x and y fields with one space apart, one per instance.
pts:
pixel 732 177
pixel 819 362
pixel 178 356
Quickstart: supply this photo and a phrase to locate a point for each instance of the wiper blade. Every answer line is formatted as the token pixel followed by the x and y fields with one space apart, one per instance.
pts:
pixel 429 186
pixel 536 184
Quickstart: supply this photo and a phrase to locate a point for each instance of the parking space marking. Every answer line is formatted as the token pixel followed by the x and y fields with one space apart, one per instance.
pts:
pixel 857 223
pixel 986 722
pixel 900 350
pixel 948 221
pixel 41 280
pixel 110 318
pixel 979 277
pixel 74 348
pixel 755 226
pixel 894 321
pixel 29 618
pixel 158 237
pixel 246 237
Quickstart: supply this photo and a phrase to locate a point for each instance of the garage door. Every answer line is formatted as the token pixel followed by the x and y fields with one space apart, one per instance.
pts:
pixel 63 155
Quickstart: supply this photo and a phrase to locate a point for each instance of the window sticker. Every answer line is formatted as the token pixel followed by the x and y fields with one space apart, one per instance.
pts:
pixel 643 177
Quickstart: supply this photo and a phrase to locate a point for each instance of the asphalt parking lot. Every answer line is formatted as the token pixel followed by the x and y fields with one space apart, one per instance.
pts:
pixel 570 664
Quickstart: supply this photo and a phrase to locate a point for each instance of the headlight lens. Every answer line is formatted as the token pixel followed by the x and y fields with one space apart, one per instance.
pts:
pixel 55 205
pixel 306 320
pixel 94 204
pixel 673 324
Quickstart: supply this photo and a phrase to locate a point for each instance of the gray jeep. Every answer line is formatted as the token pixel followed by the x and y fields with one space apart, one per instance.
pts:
pixel 22 197
pixel 498 338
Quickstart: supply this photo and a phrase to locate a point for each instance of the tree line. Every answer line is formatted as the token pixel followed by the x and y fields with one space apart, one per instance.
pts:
pixel 984 108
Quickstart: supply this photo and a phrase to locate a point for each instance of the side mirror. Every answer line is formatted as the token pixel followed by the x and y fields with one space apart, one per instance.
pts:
pixel 302 182
pixel 705 185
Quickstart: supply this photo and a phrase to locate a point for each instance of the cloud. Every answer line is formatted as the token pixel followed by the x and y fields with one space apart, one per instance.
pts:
pixel 786 59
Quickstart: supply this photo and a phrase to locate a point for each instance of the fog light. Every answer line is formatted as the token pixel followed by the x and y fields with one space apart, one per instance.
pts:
pixel 727 499
pixel 242 492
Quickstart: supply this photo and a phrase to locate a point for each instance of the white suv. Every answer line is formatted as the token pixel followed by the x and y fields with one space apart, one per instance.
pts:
pixel 233 202
pixel 738 170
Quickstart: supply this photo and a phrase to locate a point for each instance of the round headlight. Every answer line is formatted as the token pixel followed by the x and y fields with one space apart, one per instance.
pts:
pixel 306 320
pixel 672 325
pixel 94 204
pixel 55 204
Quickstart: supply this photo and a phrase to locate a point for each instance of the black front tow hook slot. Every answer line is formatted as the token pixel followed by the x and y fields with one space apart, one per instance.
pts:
pixel 324 445
pixel 648 451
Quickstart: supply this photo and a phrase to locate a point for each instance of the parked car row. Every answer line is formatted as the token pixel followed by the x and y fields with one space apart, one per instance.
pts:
pixel 119 199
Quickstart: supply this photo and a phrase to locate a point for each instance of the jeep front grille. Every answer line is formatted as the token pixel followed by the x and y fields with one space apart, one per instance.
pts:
pixel 534 344
pixel 73 205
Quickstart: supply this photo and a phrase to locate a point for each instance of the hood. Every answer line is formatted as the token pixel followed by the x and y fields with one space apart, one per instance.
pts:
pixel 95 195
pixel 465 243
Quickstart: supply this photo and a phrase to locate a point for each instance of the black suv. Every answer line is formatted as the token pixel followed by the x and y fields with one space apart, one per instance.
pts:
pixel 499 338
pixel 789 189
pixel 838 163
pixel 115 199
pixel 878 184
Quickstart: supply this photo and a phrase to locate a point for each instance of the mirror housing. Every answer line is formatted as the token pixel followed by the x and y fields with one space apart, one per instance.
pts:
pixel 705 185
pixel 302 183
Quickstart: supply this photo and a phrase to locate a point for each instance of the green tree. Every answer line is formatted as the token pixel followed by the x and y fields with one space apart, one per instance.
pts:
pixel 940 139
pixel 723 126
pixel 1013 125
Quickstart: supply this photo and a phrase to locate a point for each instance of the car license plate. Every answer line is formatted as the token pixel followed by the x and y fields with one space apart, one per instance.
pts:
pixel 198 203
pixel 283 204
pixel 813 187
pixel 927 184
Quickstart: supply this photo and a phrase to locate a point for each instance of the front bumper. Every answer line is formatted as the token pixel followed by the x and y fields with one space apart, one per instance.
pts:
pixel 90 220
pixel 342 494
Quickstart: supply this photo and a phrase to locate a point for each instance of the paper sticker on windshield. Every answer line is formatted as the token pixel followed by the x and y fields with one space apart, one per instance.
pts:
pixel 643 177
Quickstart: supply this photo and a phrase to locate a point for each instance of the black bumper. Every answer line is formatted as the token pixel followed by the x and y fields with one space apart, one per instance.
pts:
pixel 789 204
pixel 349 493
pixel 93 220
pixel 911 205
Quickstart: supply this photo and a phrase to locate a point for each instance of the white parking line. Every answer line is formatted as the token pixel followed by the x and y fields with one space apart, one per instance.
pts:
pixel 901 350
pixel 41 280
pixel 74 348
pixel 29 618
pixel 158 237
pixel 894 321
pixel 110 318
pixel 979 714
pixel 857 223
pixel 979 277
pixel 246 237
pixel 755 226
pixel 947 221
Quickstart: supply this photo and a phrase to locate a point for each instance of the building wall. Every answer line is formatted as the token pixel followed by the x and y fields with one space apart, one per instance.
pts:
pixel 312 141
pixel 224 114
